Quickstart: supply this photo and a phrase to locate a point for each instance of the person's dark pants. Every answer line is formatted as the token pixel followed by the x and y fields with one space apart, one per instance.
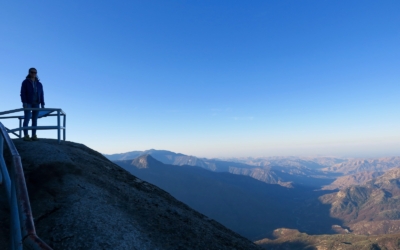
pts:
pixel 31 114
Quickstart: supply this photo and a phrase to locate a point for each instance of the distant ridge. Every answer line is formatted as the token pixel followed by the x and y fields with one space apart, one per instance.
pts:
pixel 295 172
pixel 354 166
pixel 167 155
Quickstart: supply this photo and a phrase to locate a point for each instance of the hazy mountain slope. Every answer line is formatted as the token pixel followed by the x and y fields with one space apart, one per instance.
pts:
pixel 164 156
pixel 352 180
pixel 376 201
pixel 123 156
pixel 81 200
pixel 282 175
pixel 168 157
pixel 285 175
pixel 289 161
pixel 264 175
pixel 247 206
pixel 365 165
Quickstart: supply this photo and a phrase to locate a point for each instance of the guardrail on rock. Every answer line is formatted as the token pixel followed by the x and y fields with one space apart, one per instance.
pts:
pixel 43 112
pixel 23 233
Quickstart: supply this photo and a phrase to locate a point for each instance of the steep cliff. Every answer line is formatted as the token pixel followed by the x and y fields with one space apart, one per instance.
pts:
pixel 81 200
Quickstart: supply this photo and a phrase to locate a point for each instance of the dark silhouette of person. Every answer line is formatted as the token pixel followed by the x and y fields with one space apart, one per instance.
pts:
pixel 31 96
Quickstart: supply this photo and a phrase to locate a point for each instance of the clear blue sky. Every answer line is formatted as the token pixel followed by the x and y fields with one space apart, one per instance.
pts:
pixel 212 78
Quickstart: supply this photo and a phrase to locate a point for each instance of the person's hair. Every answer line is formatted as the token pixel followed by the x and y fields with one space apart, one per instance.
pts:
pixel 37 77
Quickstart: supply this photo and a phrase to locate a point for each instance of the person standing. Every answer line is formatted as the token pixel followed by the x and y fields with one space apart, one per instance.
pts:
pixel 31 96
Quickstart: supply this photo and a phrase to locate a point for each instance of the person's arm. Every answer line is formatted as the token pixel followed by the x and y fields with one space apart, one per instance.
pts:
pixel 42 98
pixel 23 94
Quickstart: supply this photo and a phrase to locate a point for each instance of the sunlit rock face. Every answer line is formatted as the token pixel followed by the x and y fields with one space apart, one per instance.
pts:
pixel 353 179
pixel 371 208
pixel 293 239
pixel 81 200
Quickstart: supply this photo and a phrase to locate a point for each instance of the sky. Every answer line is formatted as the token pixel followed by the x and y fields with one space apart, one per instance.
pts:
pixel 220 78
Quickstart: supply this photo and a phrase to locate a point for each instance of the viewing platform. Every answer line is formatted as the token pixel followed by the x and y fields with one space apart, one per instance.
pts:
pixel 43 112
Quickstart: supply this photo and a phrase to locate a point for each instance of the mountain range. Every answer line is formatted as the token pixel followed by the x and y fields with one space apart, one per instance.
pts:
pixel 247 206
pixel 353 166
pixel 359 210
pixel 274 170
pixel 81 200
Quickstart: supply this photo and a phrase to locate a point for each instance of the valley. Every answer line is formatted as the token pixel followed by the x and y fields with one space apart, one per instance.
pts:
pixel 255 197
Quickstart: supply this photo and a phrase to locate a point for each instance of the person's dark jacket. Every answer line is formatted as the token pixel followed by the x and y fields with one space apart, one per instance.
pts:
pixel 27 92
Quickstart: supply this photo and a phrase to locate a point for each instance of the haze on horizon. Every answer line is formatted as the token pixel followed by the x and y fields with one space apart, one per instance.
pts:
pixel 212 78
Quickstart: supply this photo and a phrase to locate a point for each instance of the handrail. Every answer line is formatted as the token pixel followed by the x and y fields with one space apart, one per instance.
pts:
pixel 22 109
pixel 58 127
pixel 23 231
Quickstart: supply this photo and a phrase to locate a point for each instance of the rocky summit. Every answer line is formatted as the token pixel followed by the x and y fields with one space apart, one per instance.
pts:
pixel 81 200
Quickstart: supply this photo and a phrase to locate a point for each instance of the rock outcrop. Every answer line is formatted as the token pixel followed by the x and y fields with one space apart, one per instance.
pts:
pixel 81 200
pixel 292 239
pixel 372 208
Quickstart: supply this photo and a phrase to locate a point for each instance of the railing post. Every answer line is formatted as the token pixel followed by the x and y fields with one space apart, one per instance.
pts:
pixel 1 158
pixel 4 171
pixel 20 125
pixel 9 187
pixel 58 126
pixel 15 223
pixel 64 125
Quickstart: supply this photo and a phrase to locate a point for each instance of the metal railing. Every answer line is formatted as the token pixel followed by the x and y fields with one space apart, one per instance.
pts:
pixel 23 233
pixel 43 112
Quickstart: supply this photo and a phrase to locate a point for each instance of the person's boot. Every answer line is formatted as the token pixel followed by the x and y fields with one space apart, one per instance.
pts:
pixel 34 138
pixel 27 138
